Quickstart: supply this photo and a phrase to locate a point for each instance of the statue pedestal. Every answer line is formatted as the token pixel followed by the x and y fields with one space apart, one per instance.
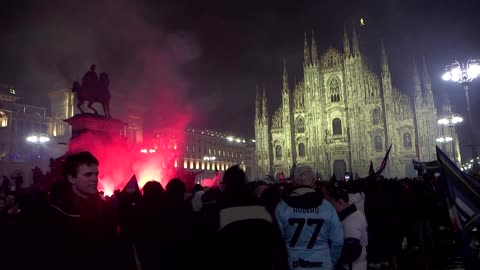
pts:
pixel 98 127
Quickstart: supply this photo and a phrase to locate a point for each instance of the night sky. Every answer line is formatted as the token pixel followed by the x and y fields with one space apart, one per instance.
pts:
pixel 212 54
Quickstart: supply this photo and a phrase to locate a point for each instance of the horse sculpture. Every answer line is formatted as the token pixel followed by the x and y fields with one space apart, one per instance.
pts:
pixel 93 89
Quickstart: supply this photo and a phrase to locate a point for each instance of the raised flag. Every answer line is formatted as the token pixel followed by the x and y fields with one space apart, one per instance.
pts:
pixel 131 186
pixel 463 198
pixel 384 162
pixel 371 170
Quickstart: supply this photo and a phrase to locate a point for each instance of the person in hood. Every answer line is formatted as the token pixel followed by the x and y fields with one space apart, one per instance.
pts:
pixel 309 225
pixel 247 237
pixel 354 254
pixel 356 195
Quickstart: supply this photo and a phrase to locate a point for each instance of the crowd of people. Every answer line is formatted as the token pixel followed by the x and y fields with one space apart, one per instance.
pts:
pixel 372 223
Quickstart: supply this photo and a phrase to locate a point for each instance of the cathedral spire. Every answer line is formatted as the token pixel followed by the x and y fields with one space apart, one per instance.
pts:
pixel 264 104
pixel 426 83
pixel 306 53
pixel 426 77
pixel 346 43
pixel 385 68
pixel 314 50
pixel 285 76
pixel 258 108
pixel 356 48
pixel 416 81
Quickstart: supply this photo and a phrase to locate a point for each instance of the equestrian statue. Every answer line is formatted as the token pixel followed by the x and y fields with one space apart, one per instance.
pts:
pixel 93 89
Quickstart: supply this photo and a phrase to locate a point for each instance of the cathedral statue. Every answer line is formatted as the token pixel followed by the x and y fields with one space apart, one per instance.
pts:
pixel 345 114
pixel 93 89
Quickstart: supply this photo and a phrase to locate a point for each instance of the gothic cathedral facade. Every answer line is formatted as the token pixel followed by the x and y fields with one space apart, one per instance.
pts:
pixel 343 115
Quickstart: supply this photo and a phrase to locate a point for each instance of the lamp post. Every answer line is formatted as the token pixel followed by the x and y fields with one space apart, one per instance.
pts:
pixel 464 73
pixel 37 140
pixel 450 120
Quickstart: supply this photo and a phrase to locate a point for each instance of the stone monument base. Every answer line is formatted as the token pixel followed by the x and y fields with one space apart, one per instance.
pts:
pixel 96 126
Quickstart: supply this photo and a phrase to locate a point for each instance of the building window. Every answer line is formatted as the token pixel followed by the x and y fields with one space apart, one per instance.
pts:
pixel 191 164
pixel 334 90
pixel 300 125
pixel 378 143
pixel 278 152
pixel 337 126
pixel 376 117
pixel 3 119
pixel 185 166
pixel 301 149
pixel 407 140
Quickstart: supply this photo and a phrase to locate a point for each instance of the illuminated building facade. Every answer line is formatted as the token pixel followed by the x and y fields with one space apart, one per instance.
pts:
pixel 208 151
pixel 19 121
pixel 344 115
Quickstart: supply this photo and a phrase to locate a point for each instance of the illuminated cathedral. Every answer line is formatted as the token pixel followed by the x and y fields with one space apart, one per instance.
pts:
pixel 344 115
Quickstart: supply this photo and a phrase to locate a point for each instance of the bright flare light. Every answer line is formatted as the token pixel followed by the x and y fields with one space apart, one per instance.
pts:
pixel 444 139
pixel 38 139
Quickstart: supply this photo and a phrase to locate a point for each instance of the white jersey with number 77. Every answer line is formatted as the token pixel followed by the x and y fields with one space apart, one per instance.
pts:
pixel 311 229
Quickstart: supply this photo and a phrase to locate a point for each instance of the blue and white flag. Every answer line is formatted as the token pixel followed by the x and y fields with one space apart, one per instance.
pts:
pixel 463 198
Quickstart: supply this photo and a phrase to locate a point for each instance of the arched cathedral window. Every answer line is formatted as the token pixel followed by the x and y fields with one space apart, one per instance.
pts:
pixel 376 117
pixel 301 149
pixel 278 152
pixel 337 126
pixel 378 143
pixel 334 90
pixel 407 140
pixel 300 125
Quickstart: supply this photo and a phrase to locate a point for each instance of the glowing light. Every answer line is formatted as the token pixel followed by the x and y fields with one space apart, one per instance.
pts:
pixel 254 141
pixel 457 119
pixel 362 22
pixel 456 74
pixel 443 121
pixel 230 138
pixel 38 139
pixel 238 140
pixel 444 139
pixel 446 76
pixel 473 70
pixel 209 158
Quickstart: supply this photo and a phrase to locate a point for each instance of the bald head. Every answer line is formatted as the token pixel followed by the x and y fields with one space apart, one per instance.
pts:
pixel 304 176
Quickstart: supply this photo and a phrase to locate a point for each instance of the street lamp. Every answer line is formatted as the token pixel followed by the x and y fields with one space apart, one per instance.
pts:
pixel 38 139
pixel 444 139
pixel 450 120
pixel 464 75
